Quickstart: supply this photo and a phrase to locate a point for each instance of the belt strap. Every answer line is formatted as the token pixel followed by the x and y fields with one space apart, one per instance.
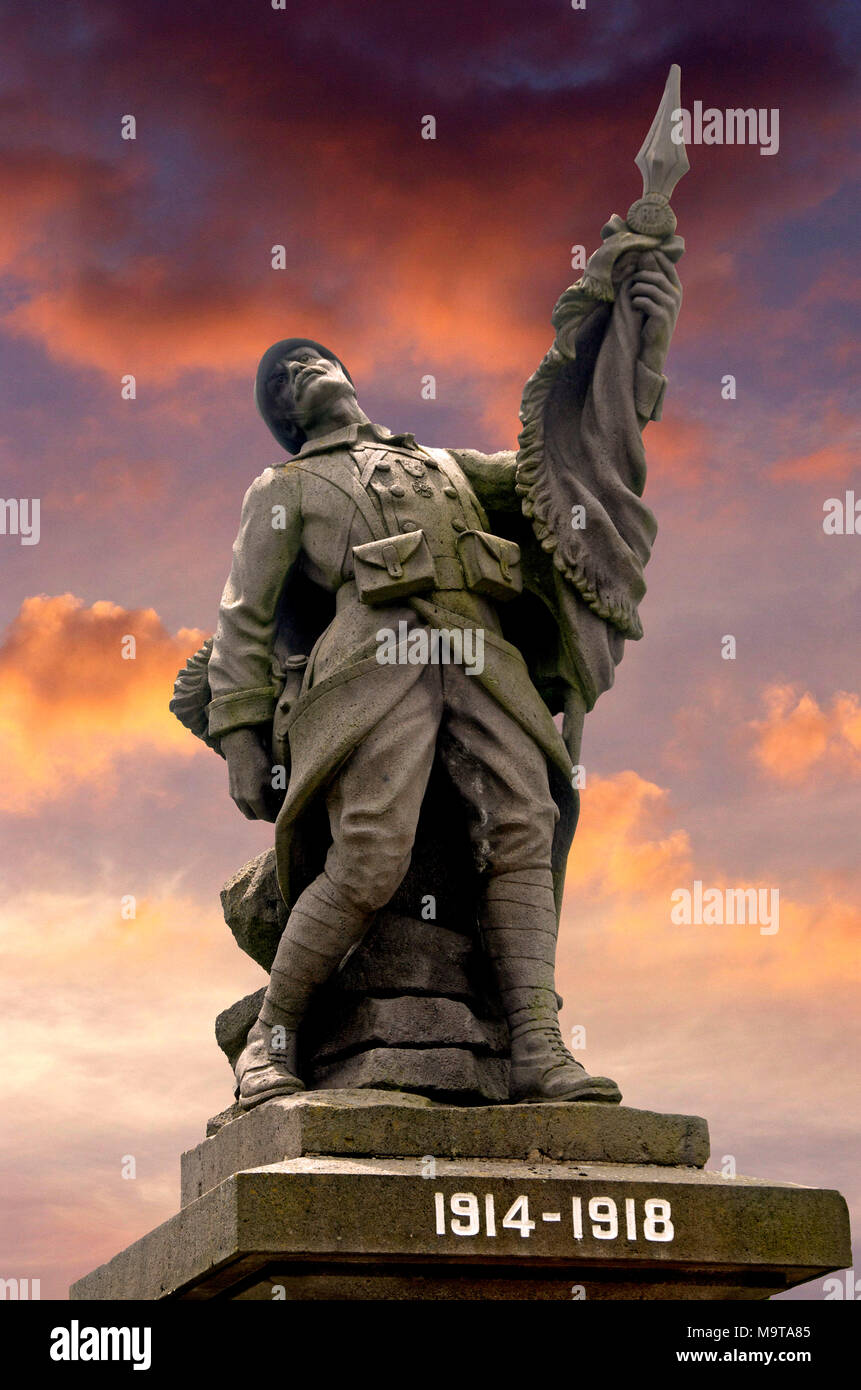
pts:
pixel 355 490
pixel 352 488
pixel 449 573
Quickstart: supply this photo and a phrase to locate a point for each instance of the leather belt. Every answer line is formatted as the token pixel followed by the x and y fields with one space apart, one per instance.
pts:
pixel 449 572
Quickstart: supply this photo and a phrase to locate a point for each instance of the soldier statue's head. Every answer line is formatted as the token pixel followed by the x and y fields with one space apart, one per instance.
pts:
pixel 303 388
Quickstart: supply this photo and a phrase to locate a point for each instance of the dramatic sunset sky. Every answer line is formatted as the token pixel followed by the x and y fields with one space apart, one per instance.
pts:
pixel 258 127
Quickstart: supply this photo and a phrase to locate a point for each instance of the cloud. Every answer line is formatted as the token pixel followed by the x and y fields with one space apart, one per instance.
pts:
pixel 72 706
pixel 53 198
pixel 133 262
pixel 834 460
pixel 618 847
pixel 111 1018
pixel 629 858
pixel 798 735
pixel 711 715
pixel 111 484
pixel 680 449
pixel 718 1021
pixel 107 1023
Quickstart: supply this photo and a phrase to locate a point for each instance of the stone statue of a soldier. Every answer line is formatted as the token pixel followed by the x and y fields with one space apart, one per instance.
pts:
pixel 364 735
pixel 362 534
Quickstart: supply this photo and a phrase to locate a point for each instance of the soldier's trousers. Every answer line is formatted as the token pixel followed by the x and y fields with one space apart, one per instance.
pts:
pixel 373 807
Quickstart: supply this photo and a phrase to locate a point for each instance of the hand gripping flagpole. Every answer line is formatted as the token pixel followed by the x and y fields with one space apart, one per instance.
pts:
pixel 662 161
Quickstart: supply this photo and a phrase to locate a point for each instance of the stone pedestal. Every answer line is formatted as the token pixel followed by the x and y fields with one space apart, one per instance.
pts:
pixel 374 1195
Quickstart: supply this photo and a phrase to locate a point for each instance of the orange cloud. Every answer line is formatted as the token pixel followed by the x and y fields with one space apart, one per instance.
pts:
pixel 43 188
pixel 831 461
pixel 798 734
pixel 697 725
pixel 427 302
pixel 72 704
pixel 111 484
pixel 705 1020
pixel 628 859
pixel 131 1003
pixel 678 449
pixel 618 847
pixel 139 323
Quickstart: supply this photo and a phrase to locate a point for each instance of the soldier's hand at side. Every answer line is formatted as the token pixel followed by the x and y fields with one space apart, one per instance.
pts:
pixel 249 768
pixel 657 293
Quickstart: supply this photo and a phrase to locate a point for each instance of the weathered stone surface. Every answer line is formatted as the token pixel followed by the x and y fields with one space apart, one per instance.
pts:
pixel 438 972
pixel 333 1042
pixel 350 1218
pixel 401 954
pixel 410 986
pixel 306 1283
pixel 381 1124
pixel 224 1117
pixel 433 1071
pixel 296 1282
pixel 254 909
pixel 232 1025
pixel 408 1020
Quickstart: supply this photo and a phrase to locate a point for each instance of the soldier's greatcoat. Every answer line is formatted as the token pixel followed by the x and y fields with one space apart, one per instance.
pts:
pixel 551 650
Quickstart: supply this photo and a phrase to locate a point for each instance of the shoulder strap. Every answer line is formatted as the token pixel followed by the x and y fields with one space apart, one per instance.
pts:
pixel 352 488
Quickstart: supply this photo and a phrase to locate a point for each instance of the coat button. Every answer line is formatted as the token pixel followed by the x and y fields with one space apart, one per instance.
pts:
pixel 458 524
pixel 450 491
pixel 397 490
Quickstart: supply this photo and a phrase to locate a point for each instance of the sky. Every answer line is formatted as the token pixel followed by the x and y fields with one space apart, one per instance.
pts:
pixel 152 257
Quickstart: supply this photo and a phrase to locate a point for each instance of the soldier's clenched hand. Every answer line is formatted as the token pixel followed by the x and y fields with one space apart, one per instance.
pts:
pixel 655 289
pixel 249 768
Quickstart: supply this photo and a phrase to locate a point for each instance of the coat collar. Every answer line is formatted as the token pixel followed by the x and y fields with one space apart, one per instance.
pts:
pixel 349 435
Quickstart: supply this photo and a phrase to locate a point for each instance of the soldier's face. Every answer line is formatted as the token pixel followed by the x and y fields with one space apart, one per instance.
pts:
pixel 307 385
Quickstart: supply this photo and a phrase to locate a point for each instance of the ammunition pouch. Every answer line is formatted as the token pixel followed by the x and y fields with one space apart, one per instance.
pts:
pixel 398 566
pixel 394 567
pixel 491 564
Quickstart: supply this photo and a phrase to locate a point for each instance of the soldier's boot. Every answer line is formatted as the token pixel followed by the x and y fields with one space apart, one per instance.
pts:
pixel 266 1067
pixel 320 930
pixel 519 927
